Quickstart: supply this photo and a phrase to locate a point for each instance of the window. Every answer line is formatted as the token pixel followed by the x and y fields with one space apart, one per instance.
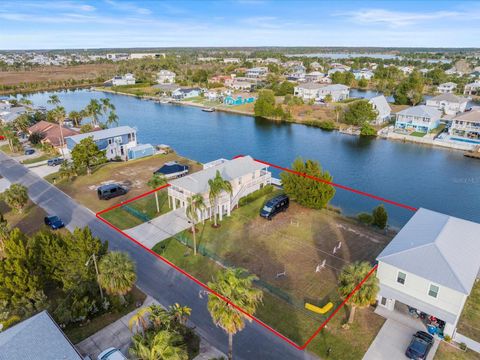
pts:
pixel 401 277
pixel 383 301
pixel 433 292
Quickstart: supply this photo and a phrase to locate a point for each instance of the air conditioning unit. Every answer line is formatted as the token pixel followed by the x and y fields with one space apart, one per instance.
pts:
pixel 118 139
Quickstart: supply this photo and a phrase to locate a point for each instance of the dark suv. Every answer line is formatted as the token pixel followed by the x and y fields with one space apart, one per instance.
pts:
pixel 54 222
pixel 54 162
pixel 106 192
pixel 274 206
pixel 419 346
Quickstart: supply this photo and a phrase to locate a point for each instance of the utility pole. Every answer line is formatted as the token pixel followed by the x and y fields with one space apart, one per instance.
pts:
pixel 96 271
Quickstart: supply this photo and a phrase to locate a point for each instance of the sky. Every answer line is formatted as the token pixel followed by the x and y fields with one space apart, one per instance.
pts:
pixel 38 24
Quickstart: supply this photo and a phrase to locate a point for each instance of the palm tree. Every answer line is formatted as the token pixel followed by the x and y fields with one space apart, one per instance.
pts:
pixel 94 111
pixel 139 320
pixel 112 118
pixel 237 286
pixel 25 101
pixel 53 100
pixel 217 186
pixel 108 106
pixel 117 273
pixel 59 116
pixel 22 123
pixel 159 316
pixel 164 345
pixel 195 205
pixel 155 182
pixel 179 313
pixel 11 136
pixel 76 117
pixel 350 277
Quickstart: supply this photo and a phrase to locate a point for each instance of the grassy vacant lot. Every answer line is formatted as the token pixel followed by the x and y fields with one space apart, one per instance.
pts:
pixel 469 324
pixel 29 222
pixel 448 352
pixel 78 333
pixel 134 174
pixel 295 242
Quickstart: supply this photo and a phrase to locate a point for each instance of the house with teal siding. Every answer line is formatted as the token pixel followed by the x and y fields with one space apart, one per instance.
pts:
pixel 420 118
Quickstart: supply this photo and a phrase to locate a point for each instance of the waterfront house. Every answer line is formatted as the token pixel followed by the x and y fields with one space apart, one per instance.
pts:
pixel 431 265
pixel 318 92
pixel 380 105
pixel 449 103
pixel 472 88
pixel 466 126
pixel 185 93
pixel 10 113
pixel 51 133
pixel 127 79
pixel 165 77
pixel 116 142
pixel 244 174
pixel 38 337
pixel 239 100
pixel 448 87
pixel 420 118
pixel 256 72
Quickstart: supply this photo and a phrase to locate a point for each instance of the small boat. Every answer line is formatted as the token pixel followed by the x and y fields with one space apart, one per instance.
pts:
pixel 164 101
pixel 208 109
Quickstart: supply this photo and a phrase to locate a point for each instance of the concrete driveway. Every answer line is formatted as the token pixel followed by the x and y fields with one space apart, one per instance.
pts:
pixel 4 184
pixel 392 340
pixel 160 228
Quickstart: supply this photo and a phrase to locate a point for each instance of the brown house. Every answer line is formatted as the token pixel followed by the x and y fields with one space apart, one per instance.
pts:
pixel 51 132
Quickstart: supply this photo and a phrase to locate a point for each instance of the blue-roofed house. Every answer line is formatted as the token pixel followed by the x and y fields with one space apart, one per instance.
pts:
pixel 118 142
pixel 431 265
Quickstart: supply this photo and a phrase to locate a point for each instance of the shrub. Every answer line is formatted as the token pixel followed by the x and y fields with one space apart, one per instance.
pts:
pixel 380 217
pixel 368 130
pixel 255 195
pixel 447 338
pixel 365 218
pixel 463 346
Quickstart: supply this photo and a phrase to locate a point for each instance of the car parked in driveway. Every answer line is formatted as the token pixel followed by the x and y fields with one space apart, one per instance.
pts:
pixel 29 151
pixel 111 354
pixel 55 162
pixel 419 346
pixel 54 222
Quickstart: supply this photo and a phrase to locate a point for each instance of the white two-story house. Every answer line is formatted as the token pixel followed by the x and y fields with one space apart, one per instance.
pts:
pixel 420 118
pixel 447 88
pixel 449 103
pixel 380 105
pixel 318 92
pixel 466 126
pixel 244 174
pixel 165 77
pixel 431 265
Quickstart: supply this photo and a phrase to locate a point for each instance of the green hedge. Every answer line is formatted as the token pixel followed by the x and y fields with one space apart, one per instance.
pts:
pixel 256 195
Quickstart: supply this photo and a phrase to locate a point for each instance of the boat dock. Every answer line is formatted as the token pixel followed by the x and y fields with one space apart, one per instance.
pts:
pixel 475 153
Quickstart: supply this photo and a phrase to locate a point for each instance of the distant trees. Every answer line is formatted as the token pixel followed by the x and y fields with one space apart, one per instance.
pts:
pixel 265 106
pixel 345 78
pixel 352 275
pixel 378 218
pixel 237 286
pixel 86 155
pixel 16 197
pixel 410 90
pixel 285 88
pixel 360 112
pixel 304 190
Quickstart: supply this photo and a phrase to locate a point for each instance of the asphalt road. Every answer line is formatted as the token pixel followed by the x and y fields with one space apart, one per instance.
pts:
pixel 155 277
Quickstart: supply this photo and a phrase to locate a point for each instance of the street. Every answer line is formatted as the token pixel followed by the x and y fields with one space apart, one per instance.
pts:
pixel 155 277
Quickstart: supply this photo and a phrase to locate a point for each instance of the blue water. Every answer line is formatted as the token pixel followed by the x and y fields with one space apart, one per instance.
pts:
pixel 420 176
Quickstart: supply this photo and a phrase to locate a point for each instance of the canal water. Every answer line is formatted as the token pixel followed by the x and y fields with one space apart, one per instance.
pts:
pixel 416 175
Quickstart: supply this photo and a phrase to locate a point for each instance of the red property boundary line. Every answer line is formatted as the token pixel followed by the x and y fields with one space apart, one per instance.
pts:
pixel 191 277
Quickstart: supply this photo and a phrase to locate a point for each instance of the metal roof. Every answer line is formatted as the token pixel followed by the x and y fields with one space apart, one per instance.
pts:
pixel 197 183
pixel 437 247
pixel 36 338
pixel 422 111
pixel 450 98
pixel 103 134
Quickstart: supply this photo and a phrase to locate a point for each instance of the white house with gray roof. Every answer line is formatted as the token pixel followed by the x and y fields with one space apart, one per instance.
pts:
pixel 447 88
pixel 380 104
pixel 420 118
pixel 431 265
pixel 36 338
pixel 245 174
pixel 318 92
pixel 449 103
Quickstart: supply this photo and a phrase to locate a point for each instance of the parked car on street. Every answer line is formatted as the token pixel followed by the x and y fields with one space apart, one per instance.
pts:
pixel 111 354
pixel 274 206
pixel 55 162
pixel 54 222
pixel 419 346
pixel 109 191
pixel 29 151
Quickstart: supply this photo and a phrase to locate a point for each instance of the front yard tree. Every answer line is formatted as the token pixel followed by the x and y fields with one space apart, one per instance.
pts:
pixel 155 182
pixel 237 286
pixel 86 155
pixel 360 112
pixel 117 274
pixel 196 205
pixel 217 186
pixel 350 277
pixel 380 216
pixel 308 192
pixel 16 197
pixel 161 345
pixel 265 103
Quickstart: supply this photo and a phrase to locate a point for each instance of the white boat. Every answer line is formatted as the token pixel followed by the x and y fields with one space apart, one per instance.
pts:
pixel 208 109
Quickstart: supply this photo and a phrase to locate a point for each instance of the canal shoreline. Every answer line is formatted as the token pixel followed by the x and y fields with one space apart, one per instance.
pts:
pixel 389 136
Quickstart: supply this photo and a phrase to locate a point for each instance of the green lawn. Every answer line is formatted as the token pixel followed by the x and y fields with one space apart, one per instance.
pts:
pixel 6 149
pixel 448 352
pixel 418 134
pixel 469 324
pixel 38 159
pixel 80 332
pixel 29 221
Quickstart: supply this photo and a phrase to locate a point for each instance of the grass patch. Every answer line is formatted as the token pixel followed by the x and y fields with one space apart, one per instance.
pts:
pixel 38 159
pixel 82 331
pixel 29 221
pixel 469 324
pixel 448 352
pixel 6 149
pixel 418 134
